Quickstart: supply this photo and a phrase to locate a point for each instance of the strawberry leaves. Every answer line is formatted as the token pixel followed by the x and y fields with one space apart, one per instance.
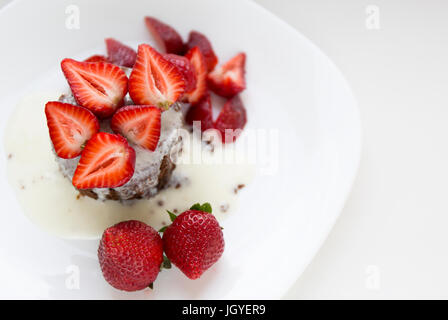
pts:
pixel 166 264
pixel 172 216
pixel 206 207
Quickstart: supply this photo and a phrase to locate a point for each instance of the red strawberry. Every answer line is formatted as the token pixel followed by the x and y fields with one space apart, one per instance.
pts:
pixel 197 39
pixel 229 80
pixel 231 120
pixel 198 62
pixel 194 241
pixel 202 111
pixel 154 80
pixel 96 58
pixel 107 161
pixel 130 255
pixel 139 124
pixel 97 86
pixel 185 67
pixel 70 127
pixel 165 36
pixel 120 54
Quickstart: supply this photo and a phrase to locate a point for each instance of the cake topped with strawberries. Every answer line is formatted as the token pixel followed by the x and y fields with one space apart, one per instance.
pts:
pixel 116 137
pixel 116 134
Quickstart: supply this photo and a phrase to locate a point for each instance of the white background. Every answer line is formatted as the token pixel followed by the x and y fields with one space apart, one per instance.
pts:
pixel 393 231
pixel 391 239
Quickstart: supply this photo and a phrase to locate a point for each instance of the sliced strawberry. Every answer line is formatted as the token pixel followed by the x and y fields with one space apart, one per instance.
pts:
pixel 197 39
pixel 96 58
pixel 107 161
pixel 120 54
pixel 198 62
pixel 185 67
pixel 70 127
pixel 202 112
pixel 154 80
pixel 139 124
pixel 231 119
pixel 97 86
pixel 229 80
pixel 165 36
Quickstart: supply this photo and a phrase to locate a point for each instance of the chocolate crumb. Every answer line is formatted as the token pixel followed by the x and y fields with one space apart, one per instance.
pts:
pixel 163 223
pixel 175 211
pixel 178 185
pixel 78 196
pixel 160 203
pixel 10 156
pixel 238 188
pixel 22 187
pixel 224 207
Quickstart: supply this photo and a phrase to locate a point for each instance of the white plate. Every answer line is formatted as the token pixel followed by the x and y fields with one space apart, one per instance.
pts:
pixel 282 219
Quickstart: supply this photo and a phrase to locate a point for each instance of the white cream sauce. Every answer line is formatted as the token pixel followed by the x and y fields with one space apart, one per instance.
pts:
pixel 50 201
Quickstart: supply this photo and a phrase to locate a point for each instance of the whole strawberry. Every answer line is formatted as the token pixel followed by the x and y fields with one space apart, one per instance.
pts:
pixel 194 241
pixel 130 255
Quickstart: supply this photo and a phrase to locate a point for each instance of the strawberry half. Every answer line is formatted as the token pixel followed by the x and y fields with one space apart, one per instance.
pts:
pixel 199 65
pixel 139 124
pixel 96 58
pixel 70 127
pixel 185 67
pixel 154 80
pixel 107 161
pixel 165 36
pixel 231 120
pixel 196 39
pixel 229 80
pixel 97 86
pixel 202 112
pixel 120 54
